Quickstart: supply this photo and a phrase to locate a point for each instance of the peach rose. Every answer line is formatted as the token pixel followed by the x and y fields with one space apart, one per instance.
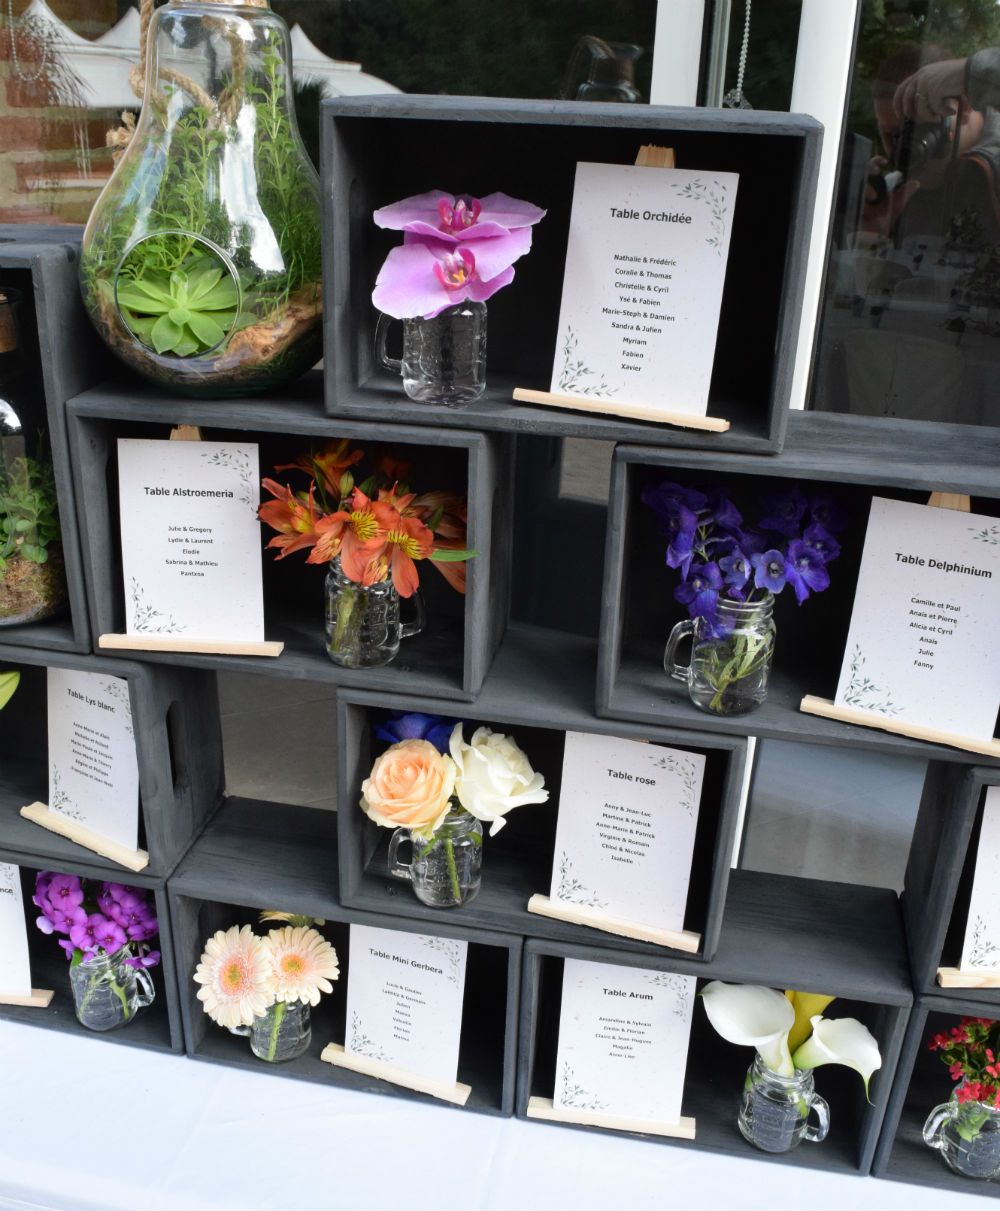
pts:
pixel 409 787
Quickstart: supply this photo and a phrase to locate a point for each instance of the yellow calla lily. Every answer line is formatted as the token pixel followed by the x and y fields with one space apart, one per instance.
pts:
pixel 807 1005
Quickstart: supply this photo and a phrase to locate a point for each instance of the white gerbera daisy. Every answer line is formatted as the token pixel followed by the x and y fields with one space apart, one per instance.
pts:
pixel 304 963
pixel 236 978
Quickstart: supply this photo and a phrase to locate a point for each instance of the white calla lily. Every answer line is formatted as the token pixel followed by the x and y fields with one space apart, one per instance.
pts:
pixel 752 1017
pixel 840 1041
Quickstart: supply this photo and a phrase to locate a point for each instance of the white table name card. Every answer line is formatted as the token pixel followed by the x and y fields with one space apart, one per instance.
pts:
pixel 642 290
pixel 624 1035
pixel 191 558
pixel 980 963
pixel 405 996
pixel 93 767
pixel 921 656
pixel 15 965
pixel 628 816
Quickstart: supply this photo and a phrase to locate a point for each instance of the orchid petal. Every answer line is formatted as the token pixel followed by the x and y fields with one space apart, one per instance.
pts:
pixel 407 285
pixel 806 1006
pixel 420 215
pixel 491 256
pixel 751 1016
pixel 840 1041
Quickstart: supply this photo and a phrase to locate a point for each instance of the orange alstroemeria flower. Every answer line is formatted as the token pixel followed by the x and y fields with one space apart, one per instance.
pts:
pixel 357 536
pixel 394 469
pixel 450 510
pixel 407 541
pixel 454 571
pixel 327 467
pixel 294 517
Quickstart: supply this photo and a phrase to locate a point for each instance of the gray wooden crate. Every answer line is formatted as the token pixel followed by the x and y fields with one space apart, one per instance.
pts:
pixel 449 659
pixel 939 876
pixel 518 862
pixel 178 744
pixel 256 856
pixel 921 1083
pixel 855 458
pixel 778 931
pixel 530 149
pixel 64 356
pixel 156 1028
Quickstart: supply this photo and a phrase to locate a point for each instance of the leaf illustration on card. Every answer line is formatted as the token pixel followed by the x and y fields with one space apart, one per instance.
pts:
pixel 863 693
pixel 450 951
pixel 984 952
pixel 679 986
pixel 575 373
pixel 119 692
pixel 575 1096
pixel 713 195
pixel 146 619
pixel 687 772
pixel 61 801
pixel 570 889
pixel 361 1044
pixel 238 461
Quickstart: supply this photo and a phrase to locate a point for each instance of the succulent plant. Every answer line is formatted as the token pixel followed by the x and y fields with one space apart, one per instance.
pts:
pixel 184 312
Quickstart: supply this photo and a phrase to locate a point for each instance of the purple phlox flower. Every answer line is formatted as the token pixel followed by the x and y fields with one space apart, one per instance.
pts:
pixel 141 928
pixel 415 725
pixel 45 925
pixel 149 958
pixel 454 218
pixel 820 540
pixel 424 276
pixel 769 570
pixel 63 922
pixel 663 496
pixel 723 512
pixel 68 947
pixel 735 569
pixel 829 513
pixel 43 881
pixel 805 570
pixel 83 935
pixel 783 512
pixel 122 903
pixel 109 935
pixel 700 592
pixel 64 895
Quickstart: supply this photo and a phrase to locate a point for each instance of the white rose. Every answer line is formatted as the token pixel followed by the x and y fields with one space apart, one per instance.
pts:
pixel 493 776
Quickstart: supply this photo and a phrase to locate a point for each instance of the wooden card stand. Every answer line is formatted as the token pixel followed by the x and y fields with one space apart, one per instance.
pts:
pixel 542 1108
pixel 649 156
pixel 131 859
pixel 577 914
pixel 334 1053
pixel 181 643
pixel 812 705
pixel 954 977
pixel 40 998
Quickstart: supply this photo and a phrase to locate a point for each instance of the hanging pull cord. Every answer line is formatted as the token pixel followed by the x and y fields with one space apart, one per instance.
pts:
pixel 734 99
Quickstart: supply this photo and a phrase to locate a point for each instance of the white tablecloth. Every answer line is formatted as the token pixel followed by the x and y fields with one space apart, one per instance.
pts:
pixel 87 1125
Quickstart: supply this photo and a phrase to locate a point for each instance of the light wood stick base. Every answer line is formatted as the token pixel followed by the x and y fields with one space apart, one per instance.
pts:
pixel 542 1108
pixel 180 643
pixel 954 977
pixel 131 859
pixel 334 1054
pixel 40 998
pixel 610 407
pixel 593 918
pixel 916 731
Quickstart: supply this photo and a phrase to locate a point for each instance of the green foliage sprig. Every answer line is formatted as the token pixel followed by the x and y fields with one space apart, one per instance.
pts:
pixel 29 514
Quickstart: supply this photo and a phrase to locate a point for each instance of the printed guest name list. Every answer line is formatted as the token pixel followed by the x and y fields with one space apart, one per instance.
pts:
pixel 645 268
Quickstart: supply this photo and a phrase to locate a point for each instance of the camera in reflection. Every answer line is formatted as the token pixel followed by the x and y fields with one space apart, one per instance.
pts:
pixel 917 143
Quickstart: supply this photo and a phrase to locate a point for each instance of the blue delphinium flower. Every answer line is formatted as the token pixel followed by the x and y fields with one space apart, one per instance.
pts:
pixel 414 725
pixel 829 513
pixel 783 512
pixel 735 568
pixel 805 570
pixel 700 592
pixel 769 570
pixel 820 540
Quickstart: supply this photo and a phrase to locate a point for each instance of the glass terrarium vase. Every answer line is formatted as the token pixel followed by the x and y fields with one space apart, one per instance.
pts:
pixel 363 624
pixel 775 1110
pixel 107 992
pixel 444 358
pixel 201 262
pixel 731 656
pixel 445 869
pixel 967 1134
pixel 32 574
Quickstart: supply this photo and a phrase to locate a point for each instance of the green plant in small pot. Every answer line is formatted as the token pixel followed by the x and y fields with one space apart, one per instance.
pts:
pixel 201 265
pixel 32 574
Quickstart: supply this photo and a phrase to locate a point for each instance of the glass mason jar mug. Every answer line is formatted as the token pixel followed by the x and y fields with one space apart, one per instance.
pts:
pixel 283 1033
pixel 731 656
pixel 444 358
pixel 363 625
pixel 775 1110
pixel 967 1134
pixel 445 868
pixel 107 992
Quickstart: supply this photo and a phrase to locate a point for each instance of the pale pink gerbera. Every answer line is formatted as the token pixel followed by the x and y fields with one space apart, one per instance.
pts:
pixel 304 963
pixel 236 978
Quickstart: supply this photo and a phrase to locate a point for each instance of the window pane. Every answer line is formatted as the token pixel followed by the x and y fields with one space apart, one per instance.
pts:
pixel 911 311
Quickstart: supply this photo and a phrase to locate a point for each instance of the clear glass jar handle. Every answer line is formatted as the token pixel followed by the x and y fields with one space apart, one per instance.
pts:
pixel 815 1134
pixel 381 338
pixel 241 1032
pixel 680 632
pixel 401 870
pixel 147 993
pixel 419 620
pixel 935 1121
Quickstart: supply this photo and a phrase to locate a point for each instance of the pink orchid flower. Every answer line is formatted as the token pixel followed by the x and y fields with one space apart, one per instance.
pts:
pixel 425 276
pixel 443 216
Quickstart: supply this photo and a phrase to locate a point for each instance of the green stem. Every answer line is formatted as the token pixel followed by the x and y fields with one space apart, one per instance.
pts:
pixel 449 853
pixel 348 625
pixel 279 1014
